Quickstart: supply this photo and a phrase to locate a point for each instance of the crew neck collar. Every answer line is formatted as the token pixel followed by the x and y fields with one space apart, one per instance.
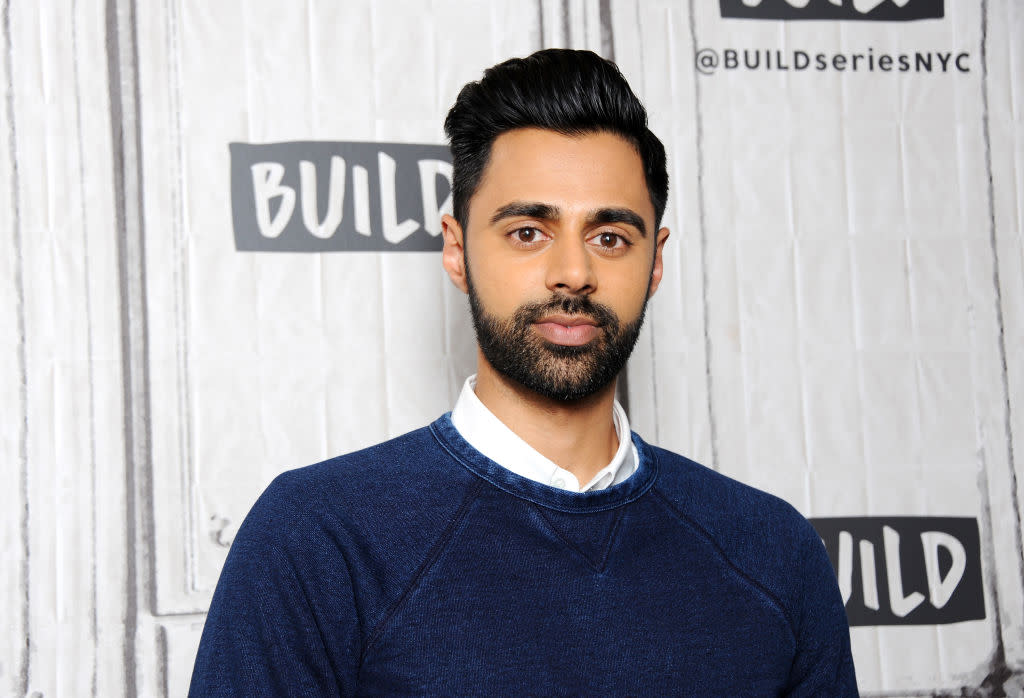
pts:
pixel 610 497
pixel 491 437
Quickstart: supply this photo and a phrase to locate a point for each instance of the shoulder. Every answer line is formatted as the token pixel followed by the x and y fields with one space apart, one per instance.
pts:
pixel 759 534
pixel 723 504
pixel 407 473
pixel 376 511
pixel 767 541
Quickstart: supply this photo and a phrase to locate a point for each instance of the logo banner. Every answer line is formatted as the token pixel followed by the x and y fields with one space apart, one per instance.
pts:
pixel 904 570
pixel 316 196
pixel 870 10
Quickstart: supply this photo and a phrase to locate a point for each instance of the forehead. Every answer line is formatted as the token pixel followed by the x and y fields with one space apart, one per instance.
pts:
pixel 574 173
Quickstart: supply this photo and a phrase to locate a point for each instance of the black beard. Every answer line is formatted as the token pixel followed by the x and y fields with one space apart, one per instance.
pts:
pixel 562 373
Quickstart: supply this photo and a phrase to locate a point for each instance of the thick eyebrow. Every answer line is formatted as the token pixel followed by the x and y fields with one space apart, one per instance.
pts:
pixel 527 209
pixel 547 212
pixel 618 215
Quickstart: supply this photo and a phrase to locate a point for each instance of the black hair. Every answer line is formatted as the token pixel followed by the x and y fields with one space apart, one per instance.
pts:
pixel 567 91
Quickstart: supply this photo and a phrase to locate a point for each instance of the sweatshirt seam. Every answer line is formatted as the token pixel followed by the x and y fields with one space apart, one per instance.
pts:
pixel 606 544
pixel 567 509
pixel 432 555
pixel 767 593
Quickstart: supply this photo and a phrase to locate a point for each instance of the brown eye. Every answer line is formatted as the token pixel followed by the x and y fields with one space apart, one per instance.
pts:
pixel 609 242
pixel 526 234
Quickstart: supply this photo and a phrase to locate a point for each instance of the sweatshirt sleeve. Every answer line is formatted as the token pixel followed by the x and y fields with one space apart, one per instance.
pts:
pixel 824 664
pixel 282 621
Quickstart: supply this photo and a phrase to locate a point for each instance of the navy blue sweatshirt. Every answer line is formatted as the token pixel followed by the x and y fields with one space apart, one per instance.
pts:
pixel 421 567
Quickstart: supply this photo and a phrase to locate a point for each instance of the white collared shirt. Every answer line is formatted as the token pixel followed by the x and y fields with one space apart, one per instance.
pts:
pixel 487 434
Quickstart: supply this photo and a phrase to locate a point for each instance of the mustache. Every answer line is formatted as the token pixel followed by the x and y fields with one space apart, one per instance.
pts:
pixel 602 315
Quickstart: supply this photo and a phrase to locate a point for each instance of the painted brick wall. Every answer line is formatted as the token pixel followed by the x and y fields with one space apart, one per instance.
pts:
pixel 841 320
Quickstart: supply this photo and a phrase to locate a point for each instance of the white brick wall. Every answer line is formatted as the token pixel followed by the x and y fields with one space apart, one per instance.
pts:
pixel 841 320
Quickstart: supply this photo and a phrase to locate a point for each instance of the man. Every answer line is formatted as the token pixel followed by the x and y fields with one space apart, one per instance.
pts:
pixel 527 543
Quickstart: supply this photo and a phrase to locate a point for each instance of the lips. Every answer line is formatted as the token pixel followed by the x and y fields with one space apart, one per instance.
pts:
pixel 567 330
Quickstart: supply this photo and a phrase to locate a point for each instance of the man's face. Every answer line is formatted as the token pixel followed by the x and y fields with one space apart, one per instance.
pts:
pixel 559 259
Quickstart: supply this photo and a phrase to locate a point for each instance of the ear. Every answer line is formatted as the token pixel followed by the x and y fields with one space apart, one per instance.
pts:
pixel 453 255
pixel 658 269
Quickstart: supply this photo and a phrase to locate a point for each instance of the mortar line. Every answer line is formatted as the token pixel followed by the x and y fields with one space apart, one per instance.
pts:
pixel 94 610
pixel 999 658
pixel 607 30
pixel 134 434
pixel 25 657
pixel 702 222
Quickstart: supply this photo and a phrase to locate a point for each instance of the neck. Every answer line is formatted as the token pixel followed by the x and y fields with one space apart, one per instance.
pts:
pixel 578 436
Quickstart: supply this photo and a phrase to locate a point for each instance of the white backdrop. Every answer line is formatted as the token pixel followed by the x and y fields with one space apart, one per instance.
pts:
pixel 841 321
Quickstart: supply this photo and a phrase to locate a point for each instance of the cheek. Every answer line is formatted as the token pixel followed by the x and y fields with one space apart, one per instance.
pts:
pixel 626 292
pixel 500 290
pixel 636 305
pixel 496 272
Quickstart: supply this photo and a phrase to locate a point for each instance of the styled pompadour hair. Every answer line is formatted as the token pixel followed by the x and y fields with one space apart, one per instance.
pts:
pixel 568 91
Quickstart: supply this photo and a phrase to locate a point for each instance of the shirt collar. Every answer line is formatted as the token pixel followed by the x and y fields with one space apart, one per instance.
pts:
pixel 487 434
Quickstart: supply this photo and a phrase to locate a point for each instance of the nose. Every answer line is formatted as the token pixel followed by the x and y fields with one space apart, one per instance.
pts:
pixel 570 269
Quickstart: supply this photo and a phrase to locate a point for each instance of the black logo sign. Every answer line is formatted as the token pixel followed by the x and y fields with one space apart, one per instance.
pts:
pixel 871 10
pixel 314 196
pixel 906 570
